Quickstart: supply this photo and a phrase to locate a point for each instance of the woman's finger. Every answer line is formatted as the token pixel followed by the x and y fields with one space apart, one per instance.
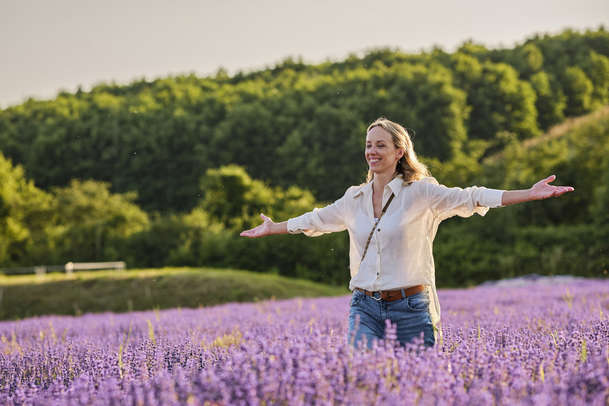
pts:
pixel 560 190
pixel 249 233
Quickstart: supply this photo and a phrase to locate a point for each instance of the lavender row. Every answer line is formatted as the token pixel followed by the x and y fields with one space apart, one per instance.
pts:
pixel 538 344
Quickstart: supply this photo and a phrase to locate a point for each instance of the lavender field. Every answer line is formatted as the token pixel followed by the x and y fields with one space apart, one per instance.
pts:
pixel 543 344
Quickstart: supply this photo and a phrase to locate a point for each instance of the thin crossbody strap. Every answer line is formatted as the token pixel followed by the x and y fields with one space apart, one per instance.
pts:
pixel 375 224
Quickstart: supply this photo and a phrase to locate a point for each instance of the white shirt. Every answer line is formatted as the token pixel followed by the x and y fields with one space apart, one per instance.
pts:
pixel 400 252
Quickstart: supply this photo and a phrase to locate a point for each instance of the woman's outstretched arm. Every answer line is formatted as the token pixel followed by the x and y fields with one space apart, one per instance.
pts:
pixel 328 219
pixel 540 190
pixel 268 227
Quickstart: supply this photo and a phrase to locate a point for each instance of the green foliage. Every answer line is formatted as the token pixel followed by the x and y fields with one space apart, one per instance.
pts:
pixel 153 246
pixel 229 192
pixel 25 213
pixel 551 101
pixel 234 199
pixel 578 89
pixel 310 119
pixel 580 159
pixel 464 167
pixel 499 100
pixel 528 59
pixel 596 67
pixel 569 235
pixel 466 255
pixel 504 103
pixel 599 208
pixel 92 222
pixel 200 239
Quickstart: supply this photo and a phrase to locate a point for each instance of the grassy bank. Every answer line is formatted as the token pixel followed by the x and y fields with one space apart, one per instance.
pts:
pixel 145 289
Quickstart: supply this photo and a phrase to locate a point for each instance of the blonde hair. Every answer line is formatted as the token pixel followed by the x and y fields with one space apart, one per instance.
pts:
pixel 408 165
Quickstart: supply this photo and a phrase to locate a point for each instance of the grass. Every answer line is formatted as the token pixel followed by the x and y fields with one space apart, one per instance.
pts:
pixel 145 289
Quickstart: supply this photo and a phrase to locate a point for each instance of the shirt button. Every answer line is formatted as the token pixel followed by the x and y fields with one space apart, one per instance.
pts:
pixel 378 229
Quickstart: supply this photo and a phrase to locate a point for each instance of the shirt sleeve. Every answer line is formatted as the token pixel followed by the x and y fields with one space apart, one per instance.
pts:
pixel 328 219
pixel 447 202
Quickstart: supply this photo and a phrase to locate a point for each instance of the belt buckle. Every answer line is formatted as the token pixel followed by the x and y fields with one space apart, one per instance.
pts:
pixel 380 296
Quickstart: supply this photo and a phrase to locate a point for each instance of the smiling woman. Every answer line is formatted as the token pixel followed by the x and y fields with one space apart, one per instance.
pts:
pixel 392 220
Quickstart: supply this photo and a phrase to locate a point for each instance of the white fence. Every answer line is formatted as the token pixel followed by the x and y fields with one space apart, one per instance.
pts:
pixel 68 268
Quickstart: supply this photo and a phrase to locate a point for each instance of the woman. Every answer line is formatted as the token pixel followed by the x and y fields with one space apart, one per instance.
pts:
pixel 392 221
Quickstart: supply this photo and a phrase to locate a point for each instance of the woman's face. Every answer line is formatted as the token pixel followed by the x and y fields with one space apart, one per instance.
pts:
pixel 381 155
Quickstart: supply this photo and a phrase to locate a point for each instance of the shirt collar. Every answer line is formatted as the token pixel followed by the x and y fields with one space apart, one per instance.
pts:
pixel 395 185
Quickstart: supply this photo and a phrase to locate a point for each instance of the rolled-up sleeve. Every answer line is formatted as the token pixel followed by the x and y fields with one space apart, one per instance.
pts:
pixel 320 221
pixel 447 202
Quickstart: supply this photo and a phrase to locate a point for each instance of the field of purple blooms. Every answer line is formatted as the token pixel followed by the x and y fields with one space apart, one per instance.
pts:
pixel 543 344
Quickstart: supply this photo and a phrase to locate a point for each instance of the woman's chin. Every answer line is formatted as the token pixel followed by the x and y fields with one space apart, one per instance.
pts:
pixel 376 169
pixel 380 171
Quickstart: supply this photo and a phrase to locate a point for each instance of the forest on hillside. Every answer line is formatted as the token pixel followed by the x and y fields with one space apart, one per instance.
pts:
pixel 166 172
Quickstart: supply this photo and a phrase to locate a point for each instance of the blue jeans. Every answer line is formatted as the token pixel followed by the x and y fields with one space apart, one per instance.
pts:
pixel 410 314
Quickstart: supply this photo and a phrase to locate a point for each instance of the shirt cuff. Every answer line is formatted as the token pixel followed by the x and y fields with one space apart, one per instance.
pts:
pixel 492 197
pixel 295 225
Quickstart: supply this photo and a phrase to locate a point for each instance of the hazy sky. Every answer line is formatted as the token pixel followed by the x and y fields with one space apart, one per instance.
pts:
pixel 49 45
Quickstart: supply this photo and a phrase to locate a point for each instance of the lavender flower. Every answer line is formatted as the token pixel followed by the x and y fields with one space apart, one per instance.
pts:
pixel 535 344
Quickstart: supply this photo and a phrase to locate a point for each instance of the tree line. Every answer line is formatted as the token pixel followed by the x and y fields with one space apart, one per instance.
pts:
pixel 159 137
pixel 167 172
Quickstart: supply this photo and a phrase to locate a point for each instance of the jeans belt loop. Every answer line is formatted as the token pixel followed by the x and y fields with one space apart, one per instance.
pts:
pixel 417 288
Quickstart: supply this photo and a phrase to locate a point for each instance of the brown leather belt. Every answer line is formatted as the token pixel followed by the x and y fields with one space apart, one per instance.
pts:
pixel 391 295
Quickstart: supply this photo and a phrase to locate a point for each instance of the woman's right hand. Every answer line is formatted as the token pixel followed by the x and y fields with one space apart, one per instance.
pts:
pixel 260 231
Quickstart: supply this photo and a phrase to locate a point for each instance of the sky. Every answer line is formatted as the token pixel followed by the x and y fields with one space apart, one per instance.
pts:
pixel 48 46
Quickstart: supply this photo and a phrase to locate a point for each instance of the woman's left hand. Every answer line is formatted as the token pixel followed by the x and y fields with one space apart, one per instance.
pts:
pixel 543 190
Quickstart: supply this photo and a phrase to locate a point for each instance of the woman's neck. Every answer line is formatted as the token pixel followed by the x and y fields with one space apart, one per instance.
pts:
pixel 381 180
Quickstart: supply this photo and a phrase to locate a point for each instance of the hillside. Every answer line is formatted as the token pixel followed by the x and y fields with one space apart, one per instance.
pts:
pixel 145 289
